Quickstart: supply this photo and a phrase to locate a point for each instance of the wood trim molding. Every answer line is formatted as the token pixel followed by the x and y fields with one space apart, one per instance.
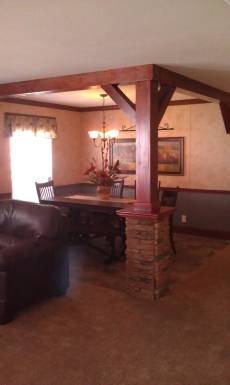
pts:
pixel 34 103
pixel 196 190
pixel 181 102
pixel 99 108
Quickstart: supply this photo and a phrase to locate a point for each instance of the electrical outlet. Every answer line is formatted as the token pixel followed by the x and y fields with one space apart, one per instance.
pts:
pixel 183 218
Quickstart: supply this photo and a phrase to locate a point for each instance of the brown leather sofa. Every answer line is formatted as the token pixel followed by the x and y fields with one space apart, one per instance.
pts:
pixel 33 258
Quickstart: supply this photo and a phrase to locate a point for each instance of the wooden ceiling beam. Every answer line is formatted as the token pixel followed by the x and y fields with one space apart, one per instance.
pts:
pixel 173 79
pixel 114 76
pixel 79 81
pixel 167 77
pixel 121 100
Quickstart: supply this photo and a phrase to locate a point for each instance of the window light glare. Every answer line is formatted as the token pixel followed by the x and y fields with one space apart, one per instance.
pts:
pixel 27 164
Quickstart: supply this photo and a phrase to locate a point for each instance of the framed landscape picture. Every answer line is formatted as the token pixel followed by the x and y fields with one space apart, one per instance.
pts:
pixel 124 150
pixel 171 156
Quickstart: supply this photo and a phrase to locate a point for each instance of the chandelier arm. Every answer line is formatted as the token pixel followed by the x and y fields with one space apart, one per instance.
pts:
pixel 95 143
pixel 102 158
pixel 101 138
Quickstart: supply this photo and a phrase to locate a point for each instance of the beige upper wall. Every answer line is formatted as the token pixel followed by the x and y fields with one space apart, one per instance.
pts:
pixel 207 145
pixel 66 147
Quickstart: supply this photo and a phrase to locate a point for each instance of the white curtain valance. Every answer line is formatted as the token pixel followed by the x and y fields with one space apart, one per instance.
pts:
pixel 41 126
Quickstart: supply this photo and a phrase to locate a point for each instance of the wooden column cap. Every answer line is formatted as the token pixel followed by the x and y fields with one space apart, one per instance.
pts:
pixel 131 213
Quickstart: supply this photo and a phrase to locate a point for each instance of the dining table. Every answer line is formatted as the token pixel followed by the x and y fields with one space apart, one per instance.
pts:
pixel 91 203
pixel 92 214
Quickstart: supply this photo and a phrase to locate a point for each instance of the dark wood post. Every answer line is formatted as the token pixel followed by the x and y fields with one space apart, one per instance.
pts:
pixel 147 147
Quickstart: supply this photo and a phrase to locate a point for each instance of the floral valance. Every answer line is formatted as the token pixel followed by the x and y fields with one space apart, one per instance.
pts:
pixel 41 126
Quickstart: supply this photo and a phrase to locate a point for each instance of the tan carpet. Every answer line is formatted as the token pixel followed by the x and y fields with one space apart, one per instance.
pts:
pixel 98 335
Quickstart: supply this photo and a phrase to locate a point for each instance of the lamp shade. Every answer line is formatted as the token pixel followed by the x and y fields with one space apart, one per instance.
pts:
pixel 113 134
pixel 94 134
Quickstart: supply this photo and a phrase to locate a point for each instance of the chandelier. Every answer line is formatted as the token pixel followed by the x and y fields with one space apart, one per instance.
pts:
pixel 103 135
pixel 101 138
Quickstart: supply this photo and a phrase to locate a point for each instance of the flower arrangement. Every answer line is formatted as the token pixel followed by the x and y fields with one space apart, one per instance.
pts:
pixel 105 176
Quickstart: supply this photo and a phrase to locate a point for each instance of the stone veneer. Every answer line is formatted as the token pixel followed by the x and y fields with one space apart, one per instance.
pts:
pixel 149 256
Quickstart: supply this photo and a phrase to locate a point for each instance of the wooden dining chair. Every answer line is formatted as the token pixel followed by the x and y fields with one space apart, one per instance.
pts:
pixel 108 226
pixel 169 199
pixel 117 189
pixel 45 190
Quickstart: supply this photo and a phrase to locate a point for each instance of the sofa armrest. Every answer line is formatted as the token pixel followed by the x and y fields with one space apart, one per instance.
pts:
pixel 21 251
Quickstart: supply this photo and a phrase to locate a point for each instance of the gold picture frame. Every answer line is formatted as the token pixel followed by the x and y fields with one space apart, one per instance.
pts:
pixel 171 156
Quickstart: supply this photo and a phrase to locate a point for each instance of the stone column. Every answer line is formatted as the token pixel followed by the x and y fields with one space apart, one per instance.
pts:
pixel 148 253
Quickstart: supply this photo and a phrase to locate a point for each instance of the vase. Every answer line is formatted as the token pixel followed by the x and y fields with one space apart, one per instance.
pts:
pixel 103 192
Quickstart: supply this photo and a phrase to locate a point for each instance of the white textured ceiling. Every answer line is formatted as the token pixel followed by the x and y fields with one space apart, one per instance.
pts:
pixel 54 37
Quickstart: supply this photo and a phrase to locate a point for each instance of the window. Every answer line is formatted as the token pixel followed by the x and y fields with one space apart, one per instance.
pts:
pixel 31 161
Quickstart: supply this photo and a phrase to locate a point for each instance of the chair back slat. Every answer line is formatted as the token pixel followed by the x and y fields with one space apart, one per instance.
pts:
pixel 45 190
pixel 169 197
pixel 117 189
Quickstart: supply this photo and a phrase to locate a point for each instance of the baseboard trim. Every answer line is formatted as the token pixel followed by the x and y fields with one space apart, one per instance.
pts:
pixel 196 190
pixel 203 232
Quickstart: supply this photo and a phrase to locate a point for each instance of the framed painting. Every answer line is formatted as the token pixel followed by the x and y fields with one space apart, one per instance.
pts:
pixel 171 156
pixel 124 150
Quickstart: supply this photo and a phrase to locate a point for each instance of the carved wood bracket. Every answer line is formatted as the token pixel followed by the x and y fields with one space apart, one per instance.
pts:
pixel 121 100
pixel 164 96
